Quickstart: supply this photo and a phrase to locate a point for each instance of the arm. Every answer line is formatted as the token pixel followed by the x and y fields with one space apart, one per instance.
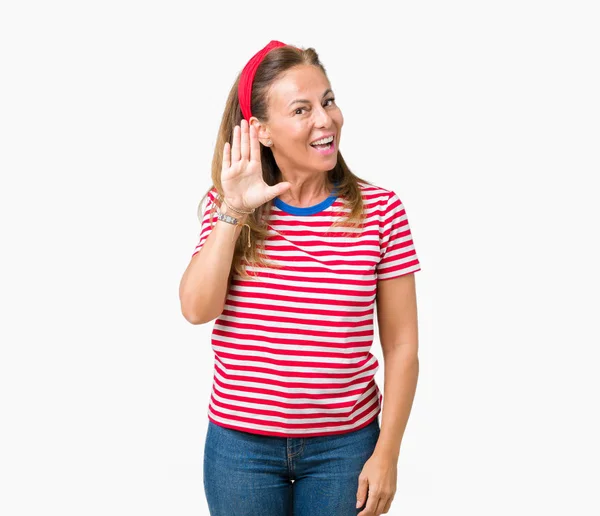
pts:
pixel 398 332
pixel 205 282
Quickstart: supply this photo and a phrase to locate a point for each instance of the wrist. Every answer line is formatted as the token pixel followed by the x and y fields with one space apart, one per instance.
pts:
pixel 224 209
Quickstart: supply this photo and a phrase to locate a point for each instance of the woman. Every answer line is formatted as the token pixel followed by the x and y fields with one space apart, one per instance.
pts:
pixel 294 252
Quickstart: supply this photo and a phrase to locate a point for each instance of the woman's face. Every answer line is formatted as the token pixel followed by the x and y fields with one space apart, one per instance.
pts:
pixel 302 109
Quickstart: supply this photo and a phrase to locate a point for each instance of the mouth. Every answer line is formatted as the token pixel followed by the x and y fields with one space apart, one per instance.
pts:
pixel 325 148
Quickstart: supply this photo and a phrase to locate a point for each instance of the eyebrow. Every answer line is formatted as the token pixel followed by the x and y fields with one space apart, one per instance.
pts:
pixel 328 90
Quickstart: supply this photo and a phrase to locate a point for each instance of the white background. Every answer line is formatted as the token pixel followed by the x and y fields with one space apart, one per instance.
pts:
pixel 484 117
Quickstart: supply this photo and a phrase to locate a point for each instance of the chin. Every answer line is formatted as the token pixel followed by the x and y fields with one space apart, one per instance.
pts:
pixel 326 167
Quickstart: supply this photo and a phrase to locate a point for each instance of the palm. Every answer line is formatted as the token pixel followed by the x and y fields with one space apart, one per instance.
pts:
pixel 241 174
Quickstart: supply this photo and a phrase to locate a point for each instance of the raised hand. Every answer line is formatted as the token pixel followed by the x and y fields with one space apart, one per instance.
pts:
pixel 241 174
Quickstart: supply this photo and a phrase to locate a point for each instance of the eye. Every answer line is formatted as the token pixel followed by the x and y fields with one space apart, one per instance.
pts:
pixel 332 99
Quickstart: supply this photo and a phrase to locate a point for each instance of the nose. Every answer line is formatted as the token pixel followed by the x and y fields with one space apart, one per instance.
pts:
pixel 322 117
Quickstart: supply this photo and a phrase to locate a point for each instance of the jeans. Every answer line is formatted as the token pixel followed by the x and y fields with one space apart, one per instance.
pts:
pixel 249 474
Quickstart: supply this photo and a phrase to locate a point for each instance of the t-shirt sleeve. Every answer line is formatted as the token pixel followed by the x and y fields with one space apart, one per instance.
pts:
pixel 397 249
pixel 206 224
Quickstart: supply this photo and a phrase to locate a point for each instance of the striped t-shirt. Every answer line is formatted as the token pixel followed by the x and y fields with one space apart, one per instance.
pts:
pixel 291 347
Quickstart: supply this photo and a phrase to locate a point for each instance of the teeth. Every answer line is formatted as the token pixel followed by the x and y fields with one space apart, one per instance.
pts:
pixel 323 141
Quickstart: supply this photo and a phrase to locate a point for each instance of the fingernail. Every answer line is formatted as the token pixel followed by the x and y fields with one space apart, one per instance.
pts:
pixel 358 504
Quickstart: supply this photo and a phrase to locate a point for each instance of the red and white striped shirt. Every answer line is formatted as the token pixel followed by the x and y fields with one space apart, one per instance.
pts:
pixel 291 347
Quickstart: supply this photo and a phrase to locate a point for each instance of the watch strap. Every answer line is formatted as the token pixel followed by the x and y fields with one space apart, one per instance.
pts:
pixel 227 218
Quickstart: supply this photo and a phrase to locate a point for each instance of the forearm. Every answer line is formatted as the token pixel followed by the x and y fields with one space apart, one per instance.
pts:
pixel 401 372
pixel 204 284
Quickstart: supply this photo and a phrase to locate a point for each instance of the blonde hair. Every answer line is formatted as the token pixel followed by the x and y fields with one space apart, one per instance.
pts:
pixel 274 64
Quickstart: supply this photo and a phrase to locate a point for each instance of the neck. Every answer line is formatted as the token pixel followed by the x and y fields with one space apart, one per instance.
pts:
pixel 306 190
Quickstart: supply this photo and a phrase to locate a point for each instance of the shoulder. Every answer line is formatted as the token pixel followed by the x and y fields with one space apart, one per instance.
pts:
pixel 209 199
pixel 210 196
pixel 212 193
pixel 375 196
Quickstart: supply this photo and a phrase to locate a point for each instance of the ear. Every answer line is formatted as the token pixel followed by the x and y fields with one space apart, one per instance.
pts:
pixel 263 133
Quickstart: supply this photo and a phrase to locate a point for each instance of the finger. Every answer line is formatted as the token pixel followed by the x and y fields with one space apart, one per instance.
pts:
pixel 245 146
pixel 377 507
pixel 254 145
pixel 235 148
pixel 363 488
pixel 278 189
pixel 226 156
pixel 371 508
pixel 387 506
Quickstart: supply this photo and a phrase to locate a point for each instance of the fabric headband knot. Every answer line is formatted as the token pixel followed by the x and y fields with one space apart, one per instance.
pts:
pixel 247 76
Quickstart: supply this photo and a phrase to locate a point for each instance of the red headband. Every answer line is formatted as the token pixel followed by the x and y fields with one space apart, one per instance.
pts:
pixel 247 77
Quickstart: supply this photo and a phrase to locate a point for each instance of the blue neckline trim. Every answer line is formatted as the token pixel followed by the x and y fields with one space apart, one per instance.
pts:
pixel 308 210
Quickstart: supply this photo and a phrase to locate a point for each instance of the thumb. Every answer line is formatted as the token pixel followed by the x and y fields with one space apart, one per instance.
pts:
pixel 278 189
pixel 361 494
